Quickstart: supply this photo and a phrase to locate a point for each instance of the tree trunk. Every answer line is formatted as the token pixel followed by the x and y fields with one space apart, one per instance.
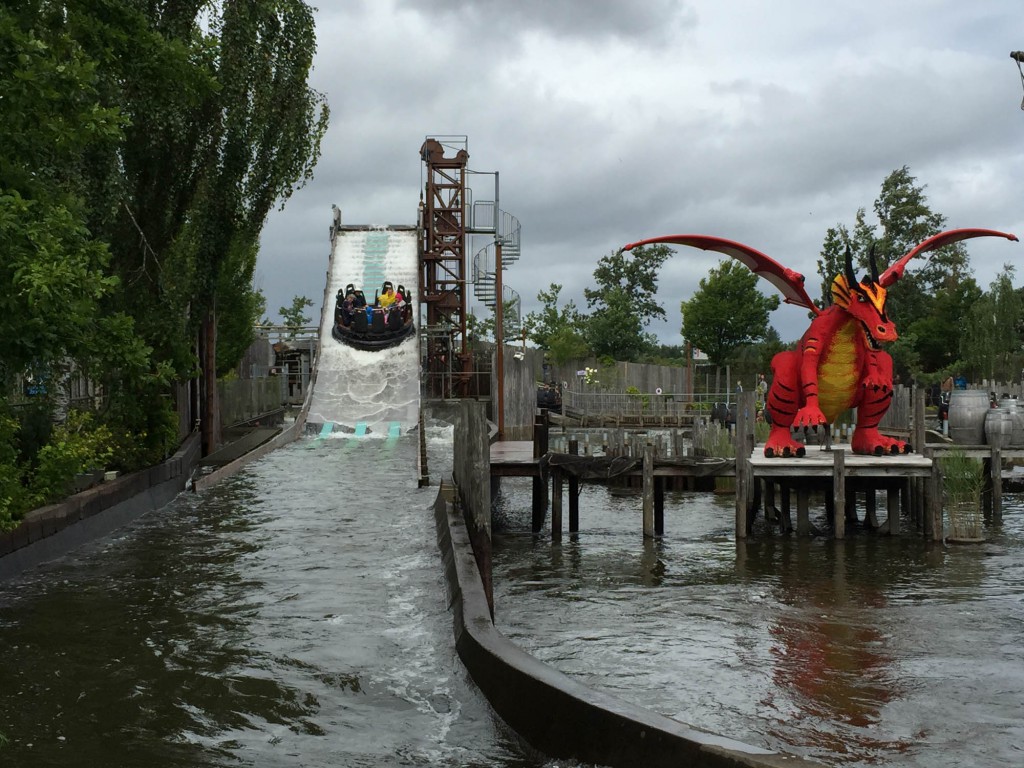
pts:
pixel 210 415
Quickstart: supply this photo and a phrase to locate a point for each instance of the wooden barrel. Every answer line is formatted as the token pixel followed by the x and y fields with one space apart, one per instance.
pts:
pixel 967 409
pixel 998 427
pixel 1013 407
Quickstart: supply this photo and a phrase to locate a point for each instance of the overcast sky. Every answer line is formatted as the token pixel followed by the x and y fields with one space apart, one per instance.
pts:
pixel 613 121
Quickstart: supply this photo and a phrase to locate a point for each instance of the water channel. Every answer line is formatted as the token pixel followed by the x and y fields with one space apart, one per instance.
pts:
pixel 295 615
pixel 292 615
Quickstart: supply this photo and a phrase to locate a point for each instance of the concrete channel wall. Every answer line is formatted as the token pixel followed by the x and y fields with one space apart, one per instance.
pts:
pixel 551 711
pixel 53 531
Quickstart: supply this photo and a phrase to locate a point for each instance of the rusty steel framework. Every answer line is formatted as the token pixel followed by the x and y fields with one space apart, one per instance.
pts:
pixel 443 269
pixel 448 214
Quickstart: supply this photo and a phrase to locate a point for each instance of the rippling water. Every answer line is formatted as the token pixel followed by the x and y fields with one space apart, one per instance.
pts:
pixel 262 623
pixel 294 615
pixel 872 650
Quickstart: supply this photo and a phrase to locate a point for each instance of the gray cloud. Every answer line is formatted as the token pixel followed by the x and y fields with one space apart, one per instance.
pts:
pixel 764 123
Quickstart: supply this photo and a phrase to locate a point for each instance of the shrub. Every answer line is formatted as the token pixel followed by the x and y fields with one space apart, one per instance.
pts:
pixel 76 446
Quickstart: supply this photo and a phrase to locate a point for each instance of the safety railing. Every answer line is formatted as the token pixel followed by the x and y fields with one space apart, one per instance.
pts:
pixel 642 408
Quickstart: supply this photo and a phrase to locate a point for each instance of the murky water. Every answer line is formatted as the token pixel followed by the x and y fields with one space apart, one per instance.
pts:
pixel 873 650
pixel 294 615
pixel 256 624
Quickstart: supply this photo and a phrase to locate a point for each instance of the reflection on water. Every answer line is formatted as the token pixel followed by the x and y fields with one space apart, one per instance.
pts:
pixel 256 624
pixel 872 650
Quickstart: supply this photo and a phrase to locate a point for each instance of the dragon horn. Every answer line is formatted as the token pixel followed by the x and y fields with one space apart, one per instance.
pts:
pixel 873 263
pixel 851 279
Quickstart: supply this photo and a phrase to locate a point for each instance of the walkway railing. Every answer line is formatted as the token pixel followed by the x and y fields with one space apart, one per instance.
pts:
pixel 643 408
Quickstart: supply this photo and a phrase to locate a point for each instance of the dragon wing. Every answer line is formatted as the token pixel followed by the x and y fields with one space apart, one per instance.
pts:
pixel 789 282
pixel 895 272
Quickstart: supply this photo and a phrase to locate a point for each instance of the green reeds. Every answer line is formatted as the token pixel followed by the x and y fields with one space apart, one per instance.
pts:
pixel 963 481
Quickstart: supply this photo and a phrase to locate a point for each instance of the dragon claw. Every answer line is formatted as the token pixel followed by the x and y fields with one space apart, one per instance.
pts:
pixel 869 441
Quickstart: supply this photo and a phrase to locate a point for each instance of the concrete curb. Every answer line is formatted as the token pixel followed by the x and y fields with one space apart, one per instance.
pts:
pixel 551 711
pixel 53 531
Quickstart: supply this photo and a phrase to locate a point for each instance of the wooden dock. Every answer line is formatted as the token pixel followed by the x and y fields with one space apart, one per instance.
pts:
pixel 846 482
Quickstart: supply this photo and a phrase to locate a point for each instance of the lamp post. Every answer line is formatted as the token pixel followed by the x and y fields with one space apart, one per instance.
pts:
pixel 1018 56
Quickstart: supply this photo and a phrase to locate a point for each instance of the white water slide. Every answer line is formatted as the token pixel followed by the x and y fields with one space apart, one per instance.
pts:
pixel 367 393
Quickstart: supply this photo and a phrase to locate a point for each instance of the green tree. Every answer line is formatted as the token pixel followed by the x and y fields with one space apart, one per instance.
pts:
pixel 623 302
pixel 54 274
pixel 551 319
pixel 937 335
pixel 557 330
pixel 991 343
pixel 266 142
pixel 294 317
pixel 727 312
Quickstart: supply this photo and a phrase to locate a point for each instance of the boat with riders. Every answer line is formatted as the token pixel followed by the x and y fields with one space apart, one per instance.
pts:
pixel 383 323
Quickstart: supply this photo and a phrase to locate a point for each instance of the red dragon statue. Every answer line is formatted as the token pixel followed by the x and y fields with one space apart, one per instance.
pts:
pixel 838 363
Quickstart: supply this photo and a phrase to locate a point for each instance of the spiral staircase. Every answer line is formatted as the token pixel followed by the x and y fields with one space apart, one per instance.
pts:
pixel 485 269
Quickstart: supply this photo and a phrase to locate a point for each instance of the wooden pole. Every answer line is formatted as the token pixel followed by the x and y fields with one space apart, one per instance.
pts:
pixel 540 444
pixel 917 437
pixel 892 503
pixel 839 492
pixel 871 509
pixel 933 522
pixel 648 490
pixel 574 492
pixel 996 468
pixel 556 504
pixel 659 506
pixel 499 339
pixel 785 512
pixel 744 443
pixel 803 519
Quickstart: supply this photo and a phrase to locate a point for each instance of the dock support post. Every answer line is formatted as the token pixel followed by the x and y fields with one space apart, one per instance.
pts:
pixel 871 509
pixel 996 474
pixel 892 504
pixel 933 522
pixel 803 518
pixel 648 490
pixel 574 492
pixel 917 437
pixel 744 442
pixel 839 493
pixel 785 518
pixel 540 447
pixel 659 506
pixel 771 514
pixel 556 504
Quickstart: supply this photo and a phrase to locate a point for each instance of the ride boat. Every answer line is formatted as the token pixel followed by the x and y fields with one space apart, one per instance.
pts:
pixel 385 323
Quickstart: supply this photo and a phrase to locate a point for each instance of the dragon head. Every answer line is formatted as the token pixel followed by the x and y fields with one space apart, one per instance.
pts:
pixel 865 301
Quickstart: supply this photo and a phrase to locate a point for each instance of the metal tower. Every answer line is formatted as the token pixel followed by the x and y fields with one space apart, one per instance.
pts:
pixel 443 266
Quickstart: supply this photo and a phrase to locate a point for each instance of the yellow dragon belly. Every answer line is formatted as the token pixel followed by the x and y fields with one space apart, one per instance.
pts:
pixel 839 371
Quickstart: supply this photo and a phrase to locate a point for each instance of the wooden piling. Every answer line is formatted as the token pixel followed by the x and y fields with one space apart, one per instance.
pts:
pixel 892 504
pixel 803 518
pixel 540 448
pixel 556 504
pixel 648 490
pixel 744 443
pixel 574 492
pixel 839 493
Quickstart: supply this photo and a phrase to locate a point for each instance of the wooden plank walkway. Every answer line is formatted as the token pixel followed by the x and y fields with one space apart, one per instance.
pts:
pixel 514 458
pixel 820 463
